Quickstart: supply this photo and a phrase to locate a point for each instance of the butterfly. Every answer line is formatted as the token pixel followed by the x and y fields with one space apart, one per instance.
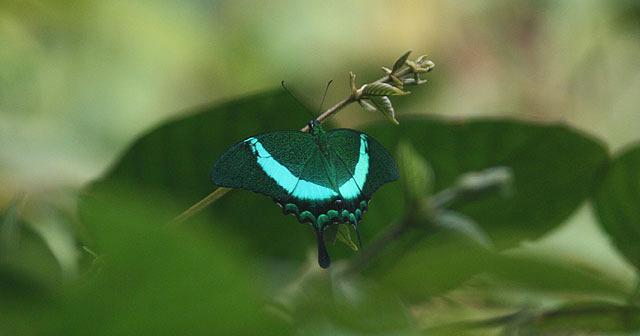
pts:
pixel 321 177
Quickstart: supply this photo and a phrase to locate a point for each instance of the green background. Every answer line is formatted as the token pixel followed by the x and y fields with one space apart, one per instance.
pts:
pixel 112 113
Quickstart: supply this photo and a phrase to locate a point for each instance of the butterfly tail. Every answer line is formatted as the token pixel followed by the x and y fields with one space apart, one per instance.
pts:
pixel 323 256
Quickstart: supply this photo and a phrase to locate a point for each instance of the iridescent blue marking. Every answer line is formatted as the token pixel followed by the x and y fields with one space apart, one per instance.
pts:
pixel 353 187
pixel 294 185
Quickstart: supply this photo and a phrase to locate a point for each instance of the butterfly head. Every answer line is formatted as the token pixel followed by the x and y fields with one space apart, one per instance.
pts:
pixel 314 127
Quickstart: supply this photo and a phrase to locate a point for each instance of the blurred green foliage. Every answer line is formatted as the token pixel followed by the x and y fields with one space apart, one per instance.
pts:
pixel 147 275
pixel 145 278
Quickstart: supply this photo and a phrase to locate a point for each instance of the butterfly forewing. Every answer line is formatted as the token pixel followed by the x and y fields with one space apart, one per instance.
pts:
pixel 270 163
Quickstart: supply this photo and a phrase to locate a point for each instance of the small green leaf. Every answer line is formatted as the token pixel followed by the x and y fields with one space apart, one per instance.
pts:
pixel 617 203
pixel 412 65
pixel 339 232
pixel 424 63
pixel 427 65
pixel 396 81
pixel 400 61
pixel 412 81
pixel 382 89
pixel 416 175
pixel 344 235
pixel 383 104
pixel 422 59
pixel 367 105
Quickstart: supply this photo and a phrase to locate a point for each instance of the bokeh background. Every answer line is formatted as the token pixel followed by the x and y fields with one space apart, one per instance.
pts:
pixel 80 79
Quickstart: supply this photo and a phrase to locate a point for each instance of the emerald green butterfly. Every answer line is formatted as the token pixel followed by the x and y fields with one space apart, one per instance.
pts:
pixel 322 178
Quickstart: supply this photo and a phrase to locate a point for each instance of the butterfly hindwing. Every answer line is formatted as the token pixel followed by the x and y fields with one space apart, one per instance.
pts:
pixel 315 184
pixel 368 163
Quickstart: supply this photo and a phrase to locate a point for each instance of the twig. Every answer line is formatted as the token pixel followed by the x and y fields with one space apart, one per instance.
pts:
pixel 203 203
pixel 343 103
pixel 333 110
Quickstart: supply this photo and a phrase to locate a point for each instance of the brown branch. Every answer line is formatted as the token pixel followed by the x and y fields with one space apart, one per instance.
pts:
pixel 203 203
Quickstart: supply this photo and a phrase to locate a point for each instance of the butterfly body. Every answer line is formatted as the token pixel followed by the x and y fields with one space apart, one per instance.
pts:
pixel 321 178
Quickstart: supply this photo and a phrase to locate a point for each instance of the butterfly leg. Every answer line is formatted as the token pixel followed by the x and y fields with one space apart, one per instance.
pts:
pixel 355 227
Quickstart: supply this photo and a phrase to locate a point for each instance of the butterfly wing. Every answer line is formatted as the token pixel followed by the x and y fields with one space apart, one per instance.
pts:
pixel 285 165
pixel 319 186
pixel 362 164
pixel 270 163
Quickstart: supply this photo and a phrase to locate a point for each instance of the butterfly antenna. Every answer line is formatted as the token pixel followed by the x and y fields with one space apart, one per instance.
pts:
pixel 305 107
pixel 326 89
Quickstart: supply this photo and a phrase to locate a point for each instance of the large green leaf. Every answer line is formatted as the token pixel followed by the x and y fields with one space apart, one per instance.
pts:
pixel 442 260
pixel 176 157
pixel 553 167
pixel 617 203
pixel 446 259
pixel 420 266
pixel 540 274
